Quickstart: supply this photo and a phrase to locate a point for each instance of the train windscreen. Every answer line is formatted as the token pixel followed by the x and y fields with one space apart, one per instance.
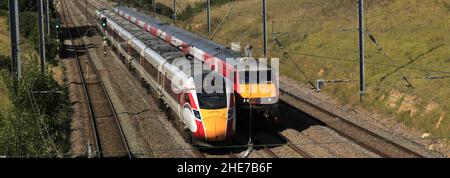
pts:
pixel 255 77
pixel 213 95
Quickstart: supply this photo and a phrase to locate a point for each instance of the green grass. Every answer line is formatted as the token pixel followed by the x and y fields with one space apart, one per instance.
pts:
pixel 5 103
pixel 406 30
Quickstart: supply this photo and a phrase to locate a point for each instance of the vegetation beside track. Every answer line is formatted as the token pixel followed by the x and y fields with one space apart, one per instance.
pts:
pixel 32 123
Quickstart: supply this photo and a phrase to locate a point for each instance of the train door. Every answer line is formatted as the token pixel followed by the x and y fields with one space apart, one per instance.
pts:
pixel 161 78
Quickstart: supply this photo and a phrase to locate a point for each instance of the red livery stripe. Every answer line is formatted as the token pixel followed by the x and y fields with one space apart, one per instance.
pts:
pixel 206 57
pixel 185 48
pixel 200 134
pixel 192 101
pixel 154 31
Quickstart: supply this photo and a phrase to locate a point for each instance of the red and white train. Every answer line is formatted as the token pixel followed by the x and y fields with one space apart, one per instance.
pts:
pixel 209 117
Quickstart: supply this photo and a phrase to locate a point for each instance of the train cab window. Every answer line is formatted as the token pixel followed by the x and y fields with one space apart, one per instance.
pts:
pixel 254 77
pixel 214 100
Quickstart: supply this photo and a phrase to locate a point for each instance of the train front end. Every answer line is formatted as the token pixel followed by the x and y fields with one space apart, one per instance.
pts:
pixel 257 91
pixel 212 107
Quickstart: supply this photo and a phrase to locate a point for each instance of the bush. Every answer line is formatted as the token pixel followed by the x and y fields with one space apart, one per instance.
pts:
pixel 36 125
pixel 5 62
pixel 21 135
pixel 24 5
pixel 29 29
pixel 3 13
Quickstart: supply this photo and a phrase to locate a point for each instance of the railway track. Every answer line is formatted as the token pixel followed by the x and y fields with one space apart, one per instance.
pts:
pixel 92 6
pixel 270 140
pixel 355 133
pixel 108 138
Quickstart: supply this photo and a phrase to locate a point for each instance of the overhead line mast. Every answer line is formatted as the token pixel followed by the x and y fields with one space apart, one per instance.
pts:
pixel 362 86
pixel 15 41
pixel 264 27
pixel 41 36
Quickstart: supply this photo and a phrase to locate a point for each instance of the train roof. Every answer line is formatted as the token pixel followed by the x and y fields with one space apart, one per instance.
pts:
pixel 167 52
pixel 208 46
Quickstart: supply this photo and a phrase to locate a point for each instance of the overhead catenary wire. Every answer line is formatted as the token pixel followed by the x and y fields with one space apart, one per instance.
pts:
pixel 286 54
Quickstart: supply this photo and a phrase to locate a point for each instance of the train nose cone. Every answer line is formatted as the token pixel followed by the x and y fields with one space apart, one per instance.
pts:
pixel 216 128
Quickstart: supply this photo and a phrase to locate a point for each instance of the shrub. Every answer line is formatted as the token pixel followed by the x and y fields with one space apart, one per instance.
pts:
pixel 36 125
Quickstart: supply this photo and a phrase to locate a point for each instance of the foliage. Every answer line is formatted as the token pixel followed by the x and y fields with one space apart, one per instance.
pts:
pixel 36 124
pixel 5 62
pixel 24 5
pixel 29 29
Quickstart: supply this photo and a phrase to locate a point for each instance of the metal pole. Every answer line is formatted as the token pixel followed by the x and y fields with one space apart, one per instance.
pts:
pixel 265 27
pixel 209 17
pixel 154 8
pixel 361 49
pixel 86 11
pixel 175 11
pixel 41 36
pixel 15 41
pixel 47 16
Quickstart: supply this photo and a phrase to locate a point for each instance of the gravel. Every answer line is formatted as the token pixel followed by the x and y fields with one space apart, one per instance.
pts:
pixel 308 144
pixel 340 146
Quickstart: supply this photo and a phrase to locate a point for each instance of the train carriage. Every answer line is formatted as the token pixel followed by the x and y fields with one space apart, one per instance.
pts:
pixel 209 117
